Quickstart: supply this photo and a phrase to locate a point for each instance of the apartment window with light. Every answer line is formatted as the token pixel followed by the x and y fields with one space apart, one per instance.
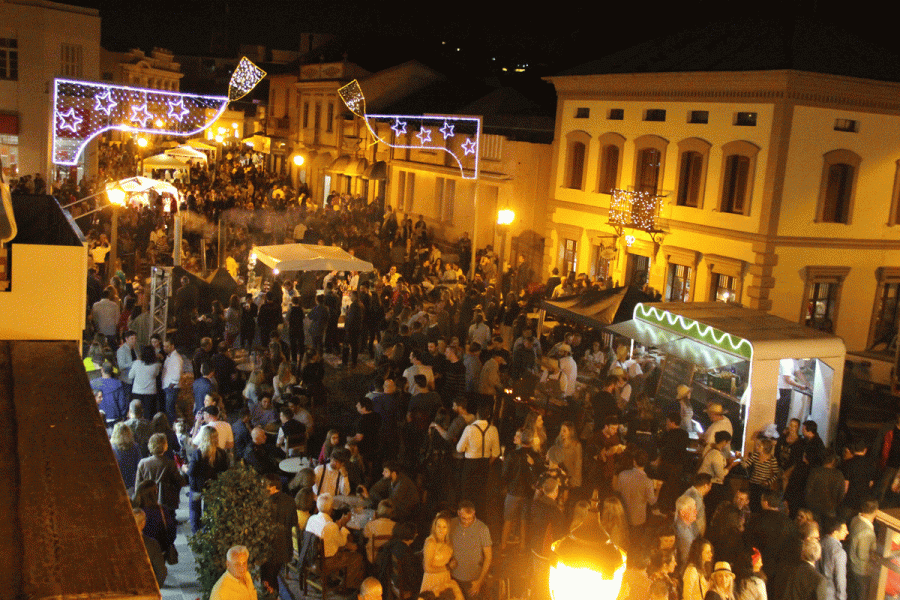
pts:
pixel 9 59
pixel 822 296
pixel 724 288
pixel 599 265
pixel 568 256
pixel 886 312
pixel 678 283
pixel 745 119
pixel 837 189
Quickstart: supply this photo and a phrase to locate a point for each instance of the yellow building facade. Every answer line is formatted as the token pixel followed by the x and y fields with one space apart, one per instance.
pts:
pixel 779 190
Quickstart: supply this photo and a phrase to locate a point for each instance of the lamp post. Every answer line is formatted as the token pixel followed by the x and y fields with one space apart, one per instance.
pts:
pixel 505 217
pixel 586 562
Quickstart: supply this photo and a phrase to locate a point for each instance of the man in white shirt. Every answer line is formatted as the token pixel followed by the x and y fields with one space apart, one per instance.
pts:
pixel 720 422
pixel 211 419
pixel 235 583
pixel 105 314
pixel 568 371
pixel 418 367
pixel 300 232
pixel 480 445
pixel 339 552
pixel 171 377
pixel 333 478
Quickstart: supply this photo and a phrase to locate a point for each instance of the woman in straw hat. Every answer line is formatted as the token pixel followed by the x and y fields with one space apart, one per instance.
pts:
pixel 721 584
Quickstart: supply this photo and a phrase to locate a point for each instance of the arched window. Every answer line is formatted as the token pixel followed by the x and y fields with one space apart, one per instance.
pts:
pixel 576 158
pixel 692 172
pixel 610 167
pixel 738 169
pixel 650 155
pixel 837 189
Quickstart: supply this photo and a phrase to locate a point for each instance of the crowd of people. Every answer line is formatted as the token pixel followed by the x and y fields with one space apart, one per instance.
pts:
pixel 478 440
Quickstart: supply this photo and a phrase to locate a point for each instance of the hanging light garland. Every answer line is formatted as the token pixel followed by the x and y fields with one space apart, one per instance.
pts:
pixel 630 208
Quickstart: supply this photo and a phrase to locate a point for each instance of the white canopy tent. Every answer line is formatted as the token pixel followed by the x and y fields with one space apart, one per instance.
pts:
pixel 185 152
pixel 309 257
pixel 199 144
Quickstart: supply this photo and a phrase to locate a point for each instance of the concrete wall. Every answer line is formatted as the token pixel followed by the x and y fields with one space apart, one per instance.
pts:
pixel 32 311
pixel 41 28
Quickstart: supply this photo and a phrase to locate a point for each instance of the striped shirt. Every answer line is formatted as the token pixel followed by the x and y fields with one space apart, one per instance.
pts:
pixel 762 472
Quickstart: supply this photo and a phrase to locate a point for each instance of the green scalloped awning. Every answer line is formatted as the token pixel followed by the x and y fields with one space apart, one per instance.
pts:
pixel 705 334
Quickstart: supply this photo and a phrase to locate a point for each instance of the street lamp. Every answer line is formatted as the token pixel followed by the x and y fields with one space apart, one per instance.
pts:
pixel 298 160
pixel 586 562
pixel 505 217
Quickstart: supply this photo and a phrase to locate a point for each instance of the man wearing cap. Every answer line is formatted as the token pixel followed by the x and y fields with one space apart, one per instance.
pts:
pixel 719 423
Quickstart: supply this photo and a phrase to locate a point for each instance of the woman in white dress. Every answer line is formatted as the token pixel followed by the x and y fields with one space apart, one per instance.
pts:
pixel 438 561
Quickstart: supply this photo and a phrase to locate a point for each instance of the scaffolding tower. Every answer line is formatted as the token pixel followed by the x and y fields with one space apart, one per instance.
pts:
pixel 160 292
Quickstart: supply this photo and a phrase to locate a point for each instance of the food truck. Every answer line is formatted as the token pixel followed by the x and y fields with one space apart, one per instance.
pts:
pixel 761 368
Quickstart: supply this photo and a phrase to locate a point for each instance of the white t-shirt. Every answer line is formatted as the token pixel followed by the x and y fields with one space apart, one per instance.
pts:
pixel 226 435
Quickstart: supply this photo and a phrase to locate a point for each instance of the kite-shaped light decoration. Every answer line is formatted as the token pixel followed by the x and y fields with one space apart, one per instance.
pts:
pixel 465 154
pixel 244 79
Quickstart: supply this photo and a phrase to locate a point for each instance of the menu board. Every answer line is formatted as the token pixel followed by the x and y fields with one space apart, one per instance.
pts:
pixel 674 372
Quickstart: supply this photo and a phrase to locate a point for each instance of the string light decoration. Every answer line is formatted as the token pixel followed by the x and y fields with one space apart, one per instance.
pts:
pixel 246 76
pixel 468 129
pixel 638 210
pixel 84 109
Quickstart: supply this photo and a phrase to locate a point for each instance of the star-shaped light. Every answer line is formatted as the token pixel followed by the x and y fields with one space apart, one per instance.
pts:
pixel 447 130
pixel 177 109
pixel 399 127
pixel 424 135
pixel 104 102
pixel 469 147
pixel 140 114
pixel 69 120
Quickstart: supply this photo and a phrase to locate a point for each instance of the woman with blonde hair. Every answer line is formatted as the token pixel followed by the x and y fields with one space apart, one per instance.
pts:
pixel 160 468
pixel 612 518
pixel 128 455
pixel 283 381
pixel 207 462
pixel 568 443
pixel 721 584
pixel 438 561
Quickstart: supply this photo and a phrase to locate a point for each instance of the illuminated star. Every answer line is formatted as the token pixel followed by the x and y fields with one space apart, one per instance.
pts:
pixel 469 147
pixel 176 114
pixel 424 136
pixel 447 130
pixel 140 114
pixel 399 127
pixel 65 122
pixel 105 103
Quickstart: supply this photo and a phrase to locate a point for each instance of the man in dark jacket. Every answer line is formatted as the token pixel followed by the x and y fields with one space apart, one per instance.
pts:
pixel 318 322
pixel 769 531
pixel 519 475
pixel 295 329
pixel 353 328
pixel 333 303
pixel 284 514
pixel 805 582
pixel 401 490
pixel 269 317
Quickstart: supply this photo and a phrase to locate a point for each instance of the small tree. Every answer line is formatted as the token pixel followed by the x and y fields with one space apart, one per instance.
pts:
pixel 237 512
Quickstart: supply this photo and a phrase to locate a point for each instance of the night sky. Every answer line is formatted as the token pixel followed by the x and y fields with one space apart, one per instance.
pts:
pixel 548 37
